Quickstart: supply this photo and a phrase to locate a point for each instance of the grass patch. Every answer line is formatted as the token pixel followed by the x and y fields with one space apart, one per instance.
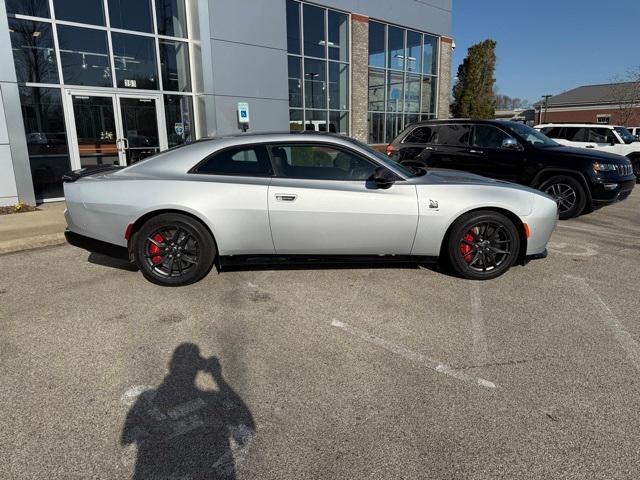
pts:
pixel 17 208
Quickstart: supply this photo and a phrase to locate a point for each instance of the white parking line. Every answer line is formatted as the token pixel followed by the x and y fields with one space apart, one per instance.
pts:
pixel 624 338
pixel 480 348
pixel 413 356
pixel 597 230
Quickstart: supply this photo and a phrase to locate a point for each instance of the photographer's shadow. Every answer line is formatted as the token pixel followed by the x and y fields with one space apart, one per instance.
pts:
pixel 184 432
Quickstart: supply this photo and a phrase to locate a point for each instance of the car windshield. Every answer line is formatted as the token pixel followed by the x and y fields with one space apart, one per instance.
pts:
pixel 532 136
pixel 625 134
pixel 382 158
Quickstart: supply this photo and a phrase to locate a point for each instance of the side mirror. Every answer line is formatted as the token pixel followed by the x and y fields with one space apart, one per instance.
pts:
pixel 511 144
pixel 611 140
pixel 384 178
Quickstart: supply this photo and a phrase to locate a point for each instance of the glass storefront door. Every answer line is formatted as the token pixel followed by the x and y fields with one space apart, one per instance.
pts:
pixel 114 129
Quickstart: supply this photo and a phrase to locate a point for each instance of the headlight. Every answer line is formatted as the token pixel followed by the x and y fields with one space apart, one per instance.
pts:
pixel 604 167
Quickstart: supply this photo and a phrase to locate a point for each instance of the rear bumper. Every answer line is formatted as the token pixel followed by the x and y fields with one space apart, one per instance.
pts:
pixel 97 246
pixel 607 192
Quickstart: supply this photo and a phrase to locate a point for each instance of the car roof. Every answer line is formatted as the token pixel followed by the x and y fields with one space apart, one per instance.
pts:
pixel 586 124
pixel 464 121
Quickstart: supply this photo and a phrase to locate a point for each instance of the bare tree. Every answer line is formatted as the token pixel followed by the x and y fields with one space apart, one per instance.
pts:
pixel 626 94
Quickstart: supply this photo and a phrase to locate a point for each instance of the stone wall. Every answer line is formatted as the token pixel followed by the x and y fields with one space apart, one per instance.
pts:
pixel 446 49
pixel 359 77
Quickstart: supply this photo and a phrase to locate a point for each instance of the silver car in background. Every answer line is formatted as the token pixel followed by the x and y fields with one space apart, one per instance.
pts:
pixel 291 196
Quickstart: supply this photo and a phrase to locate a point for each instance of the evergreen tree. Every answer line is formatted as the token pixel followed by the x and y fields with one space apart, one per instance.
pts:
pixel 473 94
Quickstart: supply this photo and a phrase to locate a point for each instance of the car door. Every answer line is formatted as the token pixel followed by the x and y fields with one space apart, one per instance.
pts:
pixel 603 139
pixel 230 187
pixel 322 202
pixel 416 145
pixel 496 161
pixel 450 148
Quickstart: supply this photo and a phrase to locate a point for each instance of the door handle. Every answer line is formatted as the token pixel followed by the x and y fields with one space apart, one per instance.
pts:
pixel 125 142
pixel 479 152
pixel 431 149
pixel 286 197
pixel 590 146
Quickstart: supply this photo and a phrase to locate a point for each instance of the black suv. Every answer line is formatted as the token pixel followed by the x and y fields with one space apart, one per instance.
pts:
pixel 578 179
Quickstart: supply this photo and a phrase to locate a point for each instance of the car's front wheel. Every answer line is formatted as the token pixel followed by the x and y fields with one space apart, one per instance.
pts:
pixel 483 245
pixel 173 250
pixel 568 194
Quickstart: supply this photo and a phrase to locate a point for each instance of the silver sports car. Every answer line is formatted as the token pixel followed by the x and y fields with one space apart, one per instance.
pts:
pixel 293 196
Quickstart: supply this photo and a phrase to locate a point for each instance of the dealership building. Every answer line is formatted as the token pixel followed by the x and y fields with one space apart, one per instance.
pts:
pixel 113 81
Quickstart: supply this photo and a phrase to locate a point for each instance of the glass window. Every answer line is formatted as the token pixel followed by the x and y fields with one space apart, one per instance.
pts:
pixel 86 11
pixel 295 120
pixel 315 83
pixel 338 86
pixel 95 122
pixel 430 55
pixel 295 82
pixel 395 47
pixel 131 15
pixel 395 84
pixel 171 18
pixel 575 134
pixel 376 90
pixel 376 127
pixel 33 8
pixel 248 161
pixel 410 118
pixel 339 122
pixel 45 130
pixel 454 135
pixel 376 44
pixel 553 132
pixel 487 136
pixel 412 94
pixel 420 135
pixel 134 59
pixel 293 27
pixel 84 56
pixel 414 51
pixel 315 120
pixel 600 135
pixel 338 36
pixel 319 162
pixel 428 94
pixel 393 126
pixel 174 63
pixel 33 52
pixel 314 39
pixel 178 112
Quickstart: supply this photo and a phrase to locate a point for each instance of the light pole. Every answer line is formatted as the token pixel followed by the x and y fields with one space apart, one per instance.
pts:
pixel 546 106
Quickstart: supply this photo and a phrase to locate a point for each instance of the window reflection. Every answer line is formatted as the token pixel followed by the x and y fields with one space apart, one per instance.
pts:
pixel 338 86
pixel 84 56
pixel 314 39
pixel 338 44
pixel 46 135
pixel 134 59
pixel 33 52
pixel 414 52
pixel 430 55
pixel 293 27
pixel 86 11
pixel 171 18
pixel 376 44
pixel 295 82
pixel 174 62
pixel 376 90
pixel 33 8
pixel 315 83
pixel 131 15
pixel 395 48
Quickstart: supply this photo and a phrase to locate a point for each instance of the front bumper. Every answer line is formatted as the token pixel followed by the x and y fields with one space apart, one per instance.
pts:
pixel 607 191
pixel 97 246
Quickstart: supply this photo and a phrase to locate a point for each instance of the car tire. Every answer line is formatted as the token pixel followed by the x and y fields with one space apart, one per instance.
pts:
pixel 635 163
pixel 568 193
pixel 173 250
pixel 482 245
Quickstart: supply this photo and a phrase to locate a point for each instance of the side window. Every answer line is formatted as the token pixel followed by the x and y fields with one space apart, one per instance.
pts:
pixel 454 135
pixel 487 136
pixel 245 160
pixel 600 135
pixel 319 162
pixel 419 135
pixel 553 132
pixel 576 134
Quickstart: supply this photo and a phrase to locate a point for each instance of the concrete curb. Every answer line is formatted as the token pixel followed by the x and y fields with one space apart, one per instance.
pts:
pixel 38 241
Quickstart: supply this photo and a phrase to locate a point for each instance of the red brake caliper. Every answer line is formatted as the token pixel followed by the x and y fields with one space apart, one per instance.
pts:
pixel 153 248
pixel 465 248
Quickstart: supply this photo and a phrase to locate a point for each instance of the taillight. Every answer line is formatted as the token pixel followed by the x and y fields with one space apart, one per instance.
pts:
pixel 391 149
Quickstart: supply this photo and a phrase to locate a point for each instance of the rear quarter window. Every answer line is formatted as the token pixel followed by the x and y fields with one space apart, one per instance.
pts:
pixel 420 135
pixel 244 160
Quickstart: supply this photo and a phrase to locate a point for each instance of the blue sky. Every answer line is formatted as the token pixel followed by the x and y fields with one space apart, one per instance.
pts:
pixel 549 46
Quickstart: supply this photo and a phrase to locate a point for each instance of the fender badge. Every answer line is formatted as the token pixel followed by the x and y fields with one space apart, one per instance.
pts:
pixel 433 203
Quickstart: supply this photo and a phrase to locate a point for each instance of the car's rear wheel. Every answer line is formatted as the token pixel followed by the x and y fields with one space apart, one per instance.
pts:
pixel 173 250
pixel 568 194
pixel 483 245
pixel 635 163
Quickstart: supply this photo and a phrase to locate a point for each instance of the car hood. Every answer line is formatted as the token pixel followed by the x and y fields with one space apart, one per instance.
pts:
pixel 443 175
pixel 584 153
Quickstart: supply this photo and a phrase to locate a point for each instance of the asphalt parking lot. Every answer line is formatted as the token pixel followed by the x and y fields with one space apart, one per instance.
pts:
pixel 327 373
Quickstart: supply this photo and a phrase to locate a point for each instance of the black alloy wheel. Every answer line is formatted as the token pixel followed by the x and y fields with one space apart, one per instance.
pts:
pixel 483 245
pixel 635 163
pixel 173 250
pixel 568 194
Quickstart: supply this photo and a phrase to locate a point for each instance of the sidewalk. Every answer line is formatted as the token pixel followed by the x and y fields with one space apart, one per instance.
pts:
pixel 24 231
